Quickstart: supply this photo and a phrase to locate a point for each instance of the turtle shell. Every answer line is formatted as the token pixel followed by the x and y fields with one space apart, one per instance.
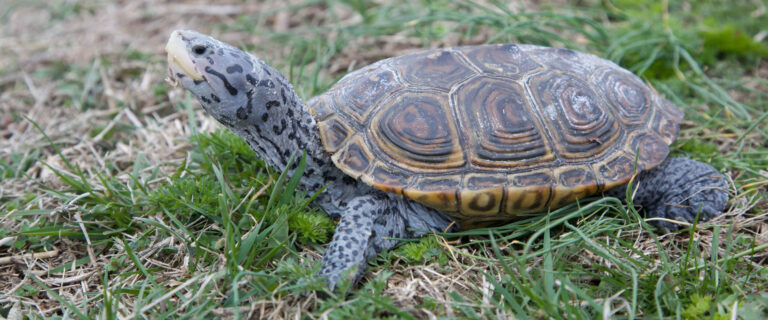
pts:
pixel 485 132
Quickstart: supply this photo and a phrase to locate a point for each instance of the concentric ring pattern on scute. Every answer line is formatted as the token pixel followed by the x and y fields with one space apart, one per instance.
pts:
pixel 581 123
pixel 418 130
pixel 485 132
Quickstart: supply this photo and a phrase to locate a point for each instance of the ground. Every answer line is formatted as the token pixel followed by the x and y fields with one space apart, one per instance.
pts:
pixel 120 198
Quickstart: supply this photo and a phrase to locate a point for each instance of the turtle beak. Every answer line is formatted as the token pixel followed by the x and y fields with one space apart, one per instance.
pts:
pixel 178 56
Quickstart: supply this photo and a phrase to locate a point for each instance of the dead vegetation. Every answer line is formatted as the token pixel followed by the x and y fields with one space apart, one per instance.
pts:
pixel 99 36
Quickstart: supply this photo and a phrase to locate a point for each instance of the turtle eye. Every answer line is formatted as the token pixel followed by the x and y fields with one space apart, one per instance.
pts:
pixel 199 49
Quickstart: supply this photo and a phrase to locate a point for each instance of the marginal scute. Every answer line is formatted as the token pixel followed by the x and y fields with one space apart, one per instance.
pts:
pixel 354 159
pixel 483 202
pixel 319 107
pixel 436 192
pixel 666 120
pixel 575 182
pixel 386 179
pixel 674 114
pixel 333 132
pixel 651 150
pixel 528 192
pixel 616 171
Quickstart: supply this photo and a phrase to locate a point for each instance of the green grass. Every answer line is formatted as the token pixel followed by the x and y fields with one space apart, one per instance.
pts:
pixel 215 233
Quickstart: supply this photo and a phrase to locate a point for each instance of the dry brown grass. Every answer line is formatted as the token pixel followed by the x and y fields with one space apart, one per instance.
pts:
pixel 36 37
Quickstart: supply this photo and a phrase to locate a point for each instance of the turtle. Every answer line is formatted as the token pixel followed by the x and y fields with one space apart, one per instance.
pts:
pixel 453 138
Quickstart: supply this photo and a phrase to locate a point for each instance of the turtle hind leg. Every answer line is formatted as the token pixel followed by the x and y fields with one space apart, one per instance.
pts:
pixel 679 189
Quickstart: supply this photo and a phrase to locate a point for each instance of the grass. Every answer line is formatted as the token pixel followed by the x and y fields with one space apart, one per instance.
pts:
pixel 120 198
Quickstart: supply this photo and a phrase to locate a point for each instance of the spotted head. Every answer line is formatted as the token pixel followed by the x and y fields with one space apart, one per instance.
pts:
pixel 222 77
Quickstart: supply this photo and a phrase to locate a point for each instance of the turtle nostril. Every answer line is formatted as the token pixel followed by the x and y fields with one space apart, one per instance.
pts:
pixel 199 49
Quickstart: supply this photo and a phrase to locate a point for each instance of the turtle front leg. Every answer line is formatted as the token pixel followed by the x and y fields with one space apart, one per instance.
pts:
pixel 679 189
pixel 370 225
pixel 350 243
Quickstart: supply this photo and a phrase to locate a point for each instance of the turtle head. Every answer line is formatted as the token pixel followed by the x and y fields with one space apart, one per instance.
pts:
pixel 218 74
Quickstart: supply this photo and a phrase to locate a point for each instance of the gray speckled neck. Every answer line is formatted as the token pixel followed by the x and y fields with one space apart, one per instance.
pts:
pixel 275 123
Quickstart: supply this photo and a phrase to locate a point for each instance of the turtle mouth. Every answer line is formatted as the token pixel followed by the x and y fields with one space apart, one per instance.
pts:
pixel 179 60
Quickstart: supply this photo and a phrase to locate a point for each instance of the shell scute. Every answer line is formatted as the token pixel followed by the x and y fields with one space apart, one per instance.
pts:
pixel 503 59
pixel 365 90
pixel 334 132
pixel 581 121
pixel 575 182
pixel 437 192
pixel 504 130
pixel 354 159
pixel 436 69
pixel 386 179
pixel 616 171
pixel 417 131
pixel 626 94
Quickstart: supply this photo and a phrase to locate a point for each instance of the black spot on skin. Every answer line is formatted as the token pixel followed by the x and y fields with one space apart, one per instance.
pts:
pixel 197 82
pixel 272 103
pixel 206 100
pixel 215 98
pixel 282 94
pixel 272 143
pixel 210 60
pixel 180 75
pixel 290 113
pixel 249 105
pixel 227 121
pixel 310 172
pixel 241 113
pixel 224 80
pixel 234 68
pixel 251 79
pixel 348 180
pixel 264 117
pixel 266 83
pixel 279 129
pixel 266 68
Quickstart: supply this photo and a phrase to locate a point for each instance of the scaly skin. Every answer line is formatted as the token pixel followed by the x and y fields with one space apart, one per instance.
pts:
pixel 256 102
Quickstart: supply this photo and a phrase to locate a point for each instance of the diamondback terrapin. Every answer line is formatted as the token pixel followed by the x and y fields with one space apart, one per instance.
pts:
pixel 452 138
